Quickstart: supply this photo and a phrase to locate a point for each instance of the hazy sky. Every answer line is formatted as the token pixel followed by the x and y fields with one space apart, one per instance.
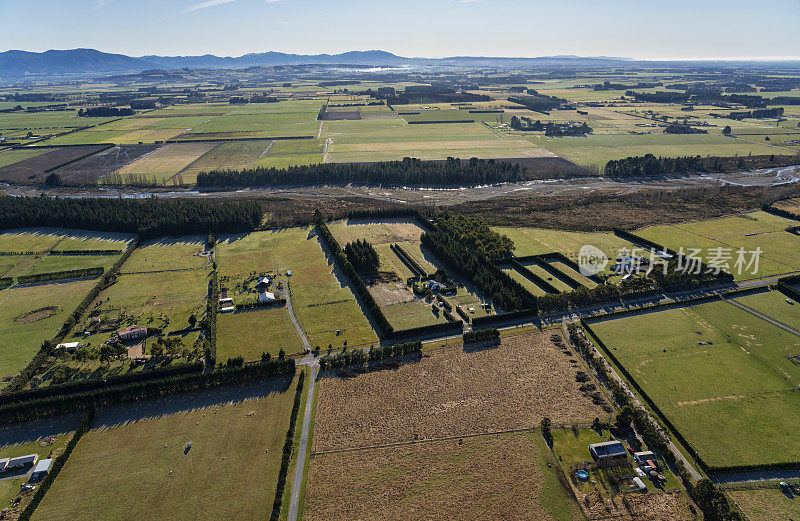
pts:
pixel 431 28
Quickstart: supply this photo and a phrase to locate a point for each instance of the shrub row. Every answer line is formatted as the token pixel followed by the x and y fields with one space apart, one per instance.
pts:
pixel 481 335
pixel 97 383
pixel 211 315
pixel 441 328
pixel 58 464
pixel 780 212
pixel 375 354
pixel 6 281
pixel 58 275
pixel 415 268
pixel 47 346
pixel 87 252
pixel 130 392
pixel 255 304
pixel 286 458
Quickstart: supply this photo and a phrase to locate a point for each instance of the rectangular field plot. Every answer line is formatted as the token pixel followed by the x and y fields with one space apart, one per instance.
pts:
pixel 262 125
pixel 291 152
pixel 441 480
pixel 452 392
pixel 87 137
pixel 53 263
pixel 32 169
pixel 774 305
pixel 236 155
pixel 750 232
pixel 537 241
pixel 766 504
pixel 526 283
pixel 168 253
pixel 93 168
pixel 9 157
pixel 250 333
pixel 159 166
pixel 403 308
pixel 715 364
pixel 40 240
pixel 32 314
pixel 556 282
pixel 322 301
pixel 157 478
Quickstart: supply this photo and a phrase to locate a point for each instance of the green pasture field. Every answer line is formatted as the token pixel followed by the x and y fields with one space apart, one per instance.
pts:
pixel 250 333
pixel 443 115
pixel 87 137
pixel 165 162
pixel 168 253
pixel 291 152
pixel 594 150
pixel 47 120
pixel 281 107
pixel 9 157
pixel 766 504
pixel 527 284
pixel 232 444
pixel 264 125
pixel 7 262
pixel 21 339
pixel 394 139
pixel 748 231
pixel 322 301
pixel 774 305
pixel 555 282
pixel 80 240
pixel 28 240
pixel 411 314
pixel 148 136
pixel 154 298
pixel 739 381
pixel 23 265
pixel 53 263
pixel 234 155
pixel 190 109
pixel 9 488
pixel 571 273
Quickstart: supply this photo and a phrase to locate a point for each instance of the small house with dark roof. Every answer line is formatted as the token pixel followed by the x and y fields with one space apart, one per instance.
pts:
pixel 609 453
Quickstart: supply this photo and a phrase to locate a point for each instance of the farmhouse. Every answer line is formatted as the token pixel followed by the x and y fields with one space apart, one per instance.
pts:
pixel 266 296
pixel 41 470
pixel 132 333
pixel 22 461
pixel 263 282
pixel 609 453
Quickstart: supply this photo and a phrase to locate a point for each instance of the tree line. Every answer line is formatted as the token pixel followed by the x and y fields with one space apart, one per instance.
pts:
pixel 408 172
pixel 288 445
pixel 104 112
pixel 362 255
pixel 148 218
pixel 358 357
pixel 650 165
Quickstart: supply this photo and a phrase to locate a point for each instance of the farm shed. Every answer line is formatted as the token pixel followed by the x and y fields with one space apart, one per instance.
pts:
pixel 3 463
pixel 22 461
pixel 228 309
pixel 41 470
pixel 609 453
pixel 642 457
pixel 225 301
pixel 263 282
pixel 69 346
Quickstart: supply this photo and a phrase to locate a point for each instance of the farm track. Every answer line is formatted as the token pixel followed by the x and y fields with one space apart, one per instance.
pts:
pixel 762 316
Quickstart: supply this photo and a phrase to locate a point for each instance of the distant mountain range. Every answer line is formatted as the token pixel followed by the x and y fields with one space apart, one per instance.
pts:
pixel 16 64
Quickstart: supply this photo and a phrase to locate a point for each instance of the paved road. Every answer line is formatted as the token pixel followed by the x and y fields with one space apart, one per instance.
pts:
pixel 297 483
pixel 303 338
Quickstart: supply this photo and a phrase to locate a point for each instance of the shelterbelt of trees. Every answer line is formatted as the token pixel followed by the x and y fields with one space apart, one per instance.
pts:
pixel 649 165
pixel 148 218
pixel 408 172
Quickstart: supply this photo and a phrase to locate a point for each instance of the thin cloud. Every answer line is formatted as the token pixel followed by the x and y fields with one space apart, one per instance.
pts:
pixel 204 5
pixel 102 3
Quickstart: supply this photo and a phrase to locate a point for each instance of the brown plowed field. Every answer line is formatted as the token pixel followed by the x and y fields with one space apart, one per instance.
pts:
pixel 33 170
pixel 452 392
